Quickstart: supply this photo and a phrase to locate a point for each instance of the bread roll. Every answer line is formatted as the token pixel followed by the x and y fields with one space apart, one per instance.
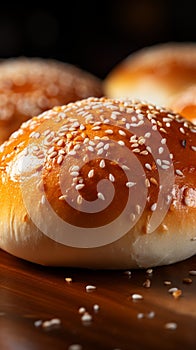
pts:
pixel 100 184
pixel 156 73
pixel 29 86
pixel 185 103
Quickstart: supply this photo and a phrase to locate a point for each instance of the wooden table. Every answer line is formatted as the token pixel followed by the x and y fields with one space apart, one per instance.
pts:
pixel 30 295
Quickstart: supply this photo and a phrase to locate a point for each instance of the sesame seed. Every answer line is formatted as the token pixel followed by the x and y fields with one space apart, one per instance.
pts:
pixel 172 290
pixel 100 196
pixel 68 279
pixel 96 128
pixel 111 178
pixel 109 131
pixel 96 307
pixel 100 145
pixel 86 317
pixel 182 130
pixel 38 323
pixel 60 159
pixel 74 173
pixel 148 166
pixel 130 184
pixel 106 146
pixel 192 272
pixel 79 199
pixel 102 163
pixel 121 143
pixel 140 315
pixel 167 283
pixel 125 167
pixel 53 154
pixel 91 173
pixel 153 207
pixel 161 150
pixel 90 288
pixel 137 296
pixel 179 172
pixel 122 133
pixel 79 187
pixel 187 280
pixel 171 325
pixel 132 217
pixel 193 148
pixel 91 148
pixel 81 310
pixel 144 153
pixel 163 141
pixel 72 153
pixel 147 135
pixel 151 314
pixel 75 347
pixel 100 151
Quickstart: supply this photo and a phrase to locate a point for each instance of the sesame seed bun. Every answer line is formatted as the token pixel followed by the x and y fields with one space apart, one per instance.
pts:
pixel 100 183
pixel 158 74
pixel 31 85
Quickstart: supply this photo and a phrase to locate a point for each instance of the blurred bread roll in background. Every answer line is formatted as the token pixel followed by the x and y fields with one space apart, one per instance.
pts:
pixel 162 74
pixel 29 86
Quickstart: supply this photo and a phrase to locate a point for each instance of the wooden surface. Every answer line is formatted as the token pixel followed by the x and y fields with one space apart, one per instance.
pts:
pixel 29 293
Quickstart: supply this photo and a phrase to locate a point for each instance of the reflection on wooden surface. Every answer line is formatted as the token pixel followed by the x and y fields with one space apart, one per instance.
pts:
pixel 32 295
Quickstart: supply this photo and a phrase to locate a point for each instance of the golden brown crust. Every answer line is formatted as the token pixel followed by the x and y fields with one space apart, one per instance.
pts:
pixel 78 145
pixel 155 73
pixel 185 103
pixel 29 86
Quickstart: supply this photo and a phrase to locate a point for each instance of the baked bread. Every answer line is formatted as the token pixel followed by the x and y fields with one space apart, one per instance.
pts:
pixel 185 103
pixel 101 184
pixel 31 85
pixel 158 74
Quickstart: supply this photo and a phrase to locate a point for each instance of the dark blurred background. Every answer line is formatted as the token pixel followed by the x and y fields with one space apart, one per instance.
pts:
pixel 94 35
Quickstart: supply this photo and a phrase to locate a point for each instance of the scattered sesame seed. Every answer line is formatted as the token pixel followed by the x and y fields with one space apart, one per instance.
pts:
pixel 172 290
pixel 150 314
pixel 96 307
pixel 90 288
pixel 68 279
pixel 86 317
pixel 167 283
pixel 171 325
pixel 176 294
pixel 38 323
pixel 147 283
pixel 127 273
pixel 193 148
pixel 137 296
pixel 81 310
pixel 192 272
pixel 149 271
pixel 140 315
pixel 187 280
pixel 75 347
